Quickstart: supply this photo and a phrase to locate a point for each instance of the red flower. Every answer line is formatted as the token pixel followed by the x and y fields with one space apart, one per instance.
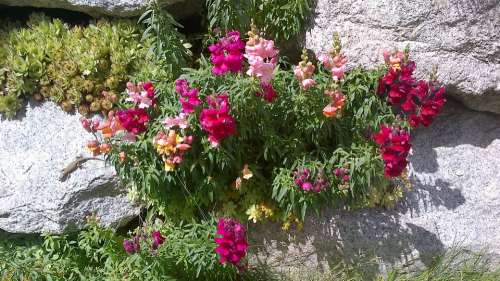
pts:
pixel 394 145
pixel 231 241
pixel 216 120
pixel 134 120
pixel 420 101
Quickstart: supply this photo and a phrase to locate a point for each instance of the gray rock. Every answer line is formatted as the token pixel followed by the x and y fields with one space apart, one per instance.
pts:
pixel 454 202
pixel 33 151
pixel 117 8
pixel 461 37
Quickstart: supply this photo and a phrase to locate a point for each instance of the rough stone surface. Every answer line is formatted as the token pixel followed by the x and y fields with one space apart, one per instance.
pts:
pixel 117 8
pixel 33 151
pixel 455 202
pixel 461 36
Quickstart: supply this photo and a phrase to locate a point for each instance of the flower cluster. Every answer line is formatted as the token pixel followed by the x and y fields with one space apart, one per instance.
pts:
pixel 231 241
pixel 420 100
pixel 342 174
pixel 335 61
pixel 304 180
pixel 394 144
pixel 262 57
pixel 334 108
pixel 188 97
pixel 172 147
pixel 133 245
pixel 227 54
pixel 142 94
pixel 304 72
pixel 215 119
pixel 107 129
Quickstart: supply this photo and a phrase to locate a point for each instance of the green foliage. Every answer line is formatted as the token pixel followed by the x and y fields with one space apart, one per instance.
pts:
pixel 96 253
pixel 282 19
pixel 168 45
pixel 69 65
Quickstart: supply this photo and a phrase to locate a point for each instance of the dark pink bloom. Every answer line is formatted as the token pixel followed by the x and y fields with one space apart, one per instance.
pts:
pixel 134 120
pixel 216 120
pixel 231 241
pixel 268 93
pixel 227 54
pixel 132 246
pixel 158 239
pixel 188 96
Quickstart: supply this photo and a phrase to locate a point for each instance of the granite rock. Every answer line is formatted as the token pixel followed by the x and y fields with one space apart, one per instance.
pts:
pixel 116 8
pixel 462 37
pixel 33 150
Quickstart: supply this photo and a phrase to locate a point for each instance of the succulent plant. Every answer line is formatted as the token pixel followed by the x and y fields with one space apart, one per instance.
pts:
pixel 71 66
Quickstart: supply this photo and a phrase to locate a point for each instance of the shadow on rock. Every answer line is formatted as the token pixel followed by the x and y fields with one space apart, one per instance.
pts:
pixel 368 239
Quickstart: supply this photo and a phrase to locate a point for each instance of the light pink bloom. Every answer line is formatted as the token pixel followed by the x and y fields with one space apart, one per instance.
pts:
pixel 263 48
pixel 308 83
pixel 179 121
pixel 261 69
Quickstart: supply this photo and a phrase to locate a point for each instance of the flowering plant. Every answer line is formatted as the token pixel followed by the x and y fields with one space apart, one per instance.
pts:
pixel 249 138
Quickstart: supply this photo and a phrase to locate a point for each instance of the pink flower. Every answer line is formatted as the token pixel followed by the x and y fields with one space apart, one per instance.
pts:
pixel 227 54
pixel 179 121
pixel 189 97
pixel 142 94
pixel 338 101
pixel 308 83
pixel 133 120
pixel 304 72
pixel 335 64
pixel 216 120
pixel 261 68
pixel 158 239
pixel 231 241
pixel 262 57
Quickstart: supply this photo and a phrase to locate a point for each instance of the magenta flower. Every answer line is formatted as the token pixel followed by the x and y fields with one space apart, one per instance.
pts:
pixel 158 239
pixel 227 54
pixel 216 120
pixel 268 93
pixel 231 241
pixel 189 96
pixel 132 246
pixel 133 120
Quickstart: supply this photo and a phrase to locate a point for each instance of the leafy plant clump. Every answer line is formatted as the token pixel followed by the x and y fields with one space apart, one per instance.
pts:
pixel 82 67
pixel 249 137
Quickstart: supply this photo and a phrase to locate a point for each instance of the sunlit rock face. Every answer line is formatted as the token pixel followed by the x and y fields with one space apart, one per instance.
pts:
pixel 34 149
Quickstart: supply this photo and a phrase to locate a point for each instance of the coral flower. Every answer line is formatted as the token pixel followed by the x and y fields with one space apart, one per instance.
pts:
pixel 333 109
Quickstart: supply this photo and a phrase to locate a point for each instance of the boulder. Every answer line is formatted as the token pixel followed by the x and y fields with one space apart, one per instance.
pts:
pixel 33 150
pixel 461 37
pixel 454 202
pixel 115 8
